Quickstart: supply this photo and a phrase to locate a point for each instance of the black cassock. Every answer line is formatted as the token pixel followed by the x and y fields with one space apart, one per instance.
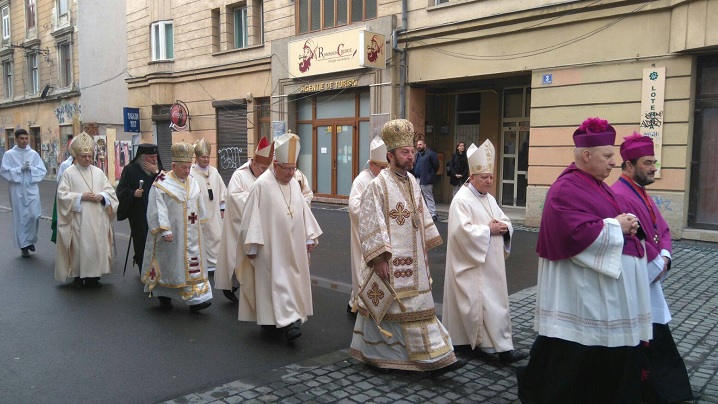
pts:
pixel 135 209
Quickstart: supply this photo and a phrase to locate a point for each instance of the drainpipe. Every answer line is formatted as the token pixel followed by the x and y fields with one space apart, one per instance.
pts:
pixel 402 58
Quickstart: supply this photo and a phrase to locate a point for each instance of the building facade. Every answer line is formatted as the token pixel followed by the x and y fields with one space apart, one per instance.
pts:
pixel 45 46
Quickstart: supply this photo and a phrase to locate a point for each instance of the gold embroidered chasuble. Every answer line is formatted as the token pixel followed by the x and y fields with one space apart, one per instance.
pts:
pixel 209 179
pixel 396 226
pixel 176 207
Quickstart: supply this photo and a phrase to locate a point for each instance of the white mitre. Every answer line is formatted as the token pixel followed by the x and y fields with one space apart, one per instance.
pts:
pixel 286 148
pixel 481 159
pixel 377 151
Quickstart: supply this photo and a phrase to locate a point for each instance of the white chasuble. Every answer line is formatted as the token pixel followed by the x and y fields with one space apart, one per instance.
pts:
pixel 360 183
pixel 85 238
pixel 24 192
pixel 237 192
pixel 213 192
pixel 476 299
pixel 277 224
pixel 395 224
pixel 176 269
pixel 598 297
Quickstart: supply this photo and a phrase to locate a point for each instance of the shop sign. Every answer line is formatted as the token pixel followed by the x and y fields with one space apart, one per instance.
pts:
pixel 179 117
pixel 328 85
pixel 652 99
pixel 336 52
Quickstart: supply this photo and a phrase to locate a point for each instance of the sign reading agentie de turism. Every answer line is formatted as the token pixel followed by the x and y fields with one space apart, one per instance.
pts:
pixel 652 99
pixel 336 52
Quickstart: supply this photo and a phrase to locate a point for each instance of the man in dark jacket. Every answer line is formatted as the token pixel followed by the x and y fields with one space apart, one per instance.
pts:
pixel 427 164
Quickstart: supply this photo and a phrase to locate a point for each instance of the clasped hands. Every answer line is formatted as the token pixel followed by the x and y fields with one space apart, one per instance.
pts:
pixel 498 228
pixel 629 223
pixel 91 197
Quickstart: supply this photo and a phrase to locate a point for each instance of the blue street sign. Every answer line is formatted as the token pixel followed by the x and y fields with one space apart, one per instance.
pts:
pixel 547 79
pixel 132 119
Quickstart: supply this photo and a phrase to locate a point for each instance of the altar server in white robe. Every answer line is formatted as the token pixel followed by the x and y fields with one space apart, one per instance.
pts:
pixel 23 168
pixel 237 192
pixel 174 266
pixel 86 207
pixel 476 298
pixel 396 233
pixel 377 162
pixel 214 193
pixel 278 233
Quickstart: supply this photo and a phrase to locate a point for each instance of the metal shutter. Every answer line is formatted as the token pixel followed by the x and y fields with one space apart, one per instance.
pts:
pixel 164 143
pixel 231 139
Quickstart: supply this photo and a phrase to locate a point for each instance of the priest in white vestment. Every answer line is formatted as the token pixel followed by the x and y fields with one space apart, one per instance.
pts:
pixel 592 302
pixel 237 191
pixel 214 193
pixel 476 298
pixel 278 232
pixel 86 207
pixel 304 186
pixel 396 233
pixel 69 161
pixel 377 162
pixel 23 168
pixel 174 265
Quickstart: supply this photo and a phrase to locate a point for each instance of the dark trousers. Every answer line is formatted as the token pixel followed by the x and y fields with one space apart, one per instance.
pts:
pixel 665 376
pixel 562 371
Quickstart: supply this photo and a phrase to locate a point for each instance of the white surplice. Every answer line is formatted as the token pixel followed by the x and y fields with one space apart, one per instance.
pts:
pixel 360 183
pixel 476 299
pixel 24 192
pixel 598 297
pixel 209 178
pixel 175 269
pixel 395 225
pixel 237 192
pixel 85 239
pixel 277 224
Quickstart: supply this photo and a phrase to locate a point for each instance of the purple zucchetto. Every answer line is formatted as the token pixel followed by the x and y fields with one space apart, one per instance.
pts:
pixel 594 132
pixel 636 146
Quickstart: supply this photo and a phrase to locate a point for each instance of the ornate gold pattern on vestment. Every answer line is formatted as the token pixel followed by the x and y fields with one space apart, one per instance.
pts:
pixel 375 294
pixel 406 273
pixel 400 214
pixel 399 261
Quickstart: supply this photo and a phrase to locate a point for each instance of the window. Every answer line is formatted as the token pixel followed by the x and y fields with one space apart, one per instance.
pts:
pixel 437 2
pixel 162 38
pixel 62 13
pixel 65 59
pixel 5 24
pixel 10 134
pixel 240 28
pixel 30 13
pixel 7 78
pixel 335 13
pixel 33 73
pixel 62 7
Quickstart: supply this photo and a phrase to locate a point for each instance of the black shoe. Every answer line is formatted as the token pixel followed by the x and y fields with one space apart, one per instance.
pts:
pixel 460 363
pixel 78 283
pixel 93 283
pixel 293 331
pixel 165 301
pixel 201 306
pixel 31 247
pixel 512 356
pixel 25 252
pixel 229 294
pixel 435 218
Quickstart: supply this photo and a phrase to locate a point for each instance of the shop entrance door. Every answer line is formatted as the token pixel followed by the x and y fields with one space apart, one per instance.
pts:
pixel 514 166
pixel 334 147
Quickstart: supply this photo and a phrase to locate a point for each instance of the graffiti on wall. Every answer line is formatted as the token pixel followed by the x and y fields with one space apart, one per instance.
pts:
pixel 66 112
pixel 229 157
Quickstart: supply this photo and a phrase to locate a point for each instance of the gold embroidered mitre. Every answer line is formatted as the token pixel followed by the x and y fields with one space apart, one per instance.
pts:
pixel 481 159
pixel 397 133
pixel 82 144
pixel 377 152
pixel 202 148
pixel 286 148
pixel 182 152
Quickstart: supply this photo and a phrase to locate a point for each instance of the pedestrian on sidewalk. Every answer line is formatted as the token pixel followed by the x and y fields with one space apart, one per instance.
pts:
pixel 23 168
pixel 666 378
pixel 86 208
pixel 277 234
pixel 174 265
pixel 396 233
pixel 237 192
pixel 214 193
pixel 133 191
pixel 476 297
pixel 592 304
pixel 377 162
pixel 458 168
pixel 427 165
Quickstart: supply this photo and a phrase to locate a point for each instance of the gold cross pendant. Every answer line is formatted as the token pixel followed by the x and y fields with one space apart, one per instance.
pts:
pixel 290 213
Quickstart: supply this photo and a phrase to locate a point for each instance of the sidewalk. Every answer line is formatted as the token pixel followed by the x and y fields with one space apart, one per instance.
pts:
pixel 691 290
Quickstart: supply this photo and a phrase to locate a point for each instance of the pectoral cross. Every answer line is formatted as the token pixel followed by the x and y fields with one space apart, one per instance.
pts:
pixel 656 239
pixel 290 212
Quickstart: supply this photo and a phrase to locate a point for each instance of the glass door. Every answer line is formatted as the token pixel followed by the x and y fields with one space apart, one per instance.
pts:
pixel 325 159
pixel 514 163
pixel 335 165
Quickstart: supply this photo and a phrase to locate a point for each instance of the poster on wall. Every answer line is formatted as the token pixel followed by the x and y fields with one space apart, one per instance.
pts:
pixel 123 156
pixel 101 152
pixel 652 100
